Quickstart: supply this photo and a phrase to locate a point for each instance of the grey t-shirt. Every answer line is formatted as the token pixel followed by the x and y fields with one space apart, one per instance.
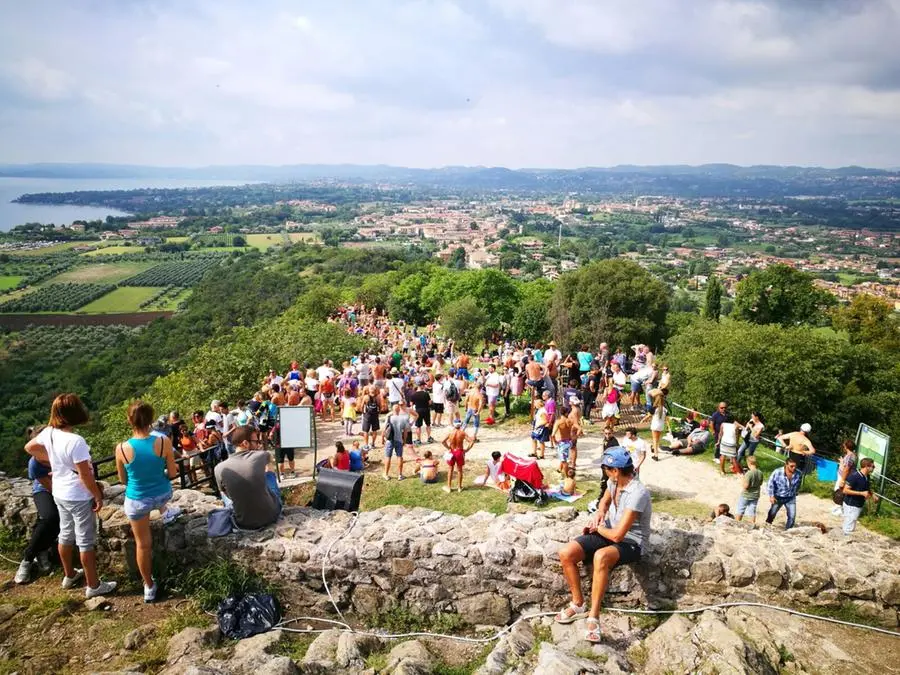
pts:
pixel 400 423
pixel 637 498
pixel 243 478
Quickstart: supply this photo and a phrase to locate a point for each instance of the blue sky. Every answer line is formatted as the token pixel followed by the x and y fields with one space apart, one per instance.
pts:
pixel 561 83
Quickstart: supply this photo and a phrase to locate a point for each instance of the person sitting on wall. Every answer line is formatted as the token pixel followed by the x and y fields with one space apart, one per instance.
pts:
pixel 246 484
pixel 617 533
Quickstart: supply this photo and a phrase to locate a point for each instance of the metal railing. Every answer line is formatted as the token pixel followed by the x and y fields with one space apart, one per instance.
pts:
pixel 105 469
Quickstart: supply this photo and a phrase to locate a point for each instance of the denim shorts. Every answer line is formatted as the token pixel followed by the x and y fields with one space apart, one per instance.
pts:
pixel 394 447
pixel 136 509
pixel 746 507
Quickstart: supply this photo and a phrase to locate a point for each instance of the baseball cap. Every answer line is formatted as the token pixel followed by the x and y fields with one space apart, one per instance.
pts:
pixel 805 427
pixel 616 458
pixel 457 423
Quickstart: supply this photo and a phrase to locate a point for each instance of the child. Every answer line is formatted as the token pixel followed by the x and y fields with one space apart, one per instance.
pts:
pixel 348 402
pixel 722 510
pixel 567 487
pixel 427 467
pixel 358 458
pixel 610 411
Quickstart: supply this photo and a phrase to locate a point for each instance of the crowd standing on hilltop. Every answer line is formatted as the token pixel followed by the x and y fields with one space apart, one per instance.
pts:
pixel 407 387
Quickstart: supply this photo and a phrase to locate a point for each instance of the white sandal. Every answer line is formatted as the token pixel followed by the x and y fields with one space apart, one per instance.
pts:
pixel 571 613
pixel 592 635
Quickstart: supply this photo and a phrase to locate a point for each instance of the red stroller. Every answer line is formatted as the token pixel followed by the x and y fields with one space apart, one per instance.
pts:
pixel 529 481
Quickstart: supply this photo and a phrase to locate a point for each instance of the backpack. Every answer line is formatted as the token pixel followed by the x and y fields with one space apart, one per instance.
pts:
pixel 388 430
pixel 452 392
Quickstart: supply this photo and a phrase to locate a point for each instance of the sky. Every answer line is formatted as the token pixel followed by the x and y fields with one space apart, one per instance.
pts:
pixel 427 83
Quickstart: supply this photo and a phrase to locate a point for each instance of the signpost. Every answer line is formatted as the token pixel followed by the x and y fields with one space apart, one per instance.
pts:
pixel 298 429
pixel 875 445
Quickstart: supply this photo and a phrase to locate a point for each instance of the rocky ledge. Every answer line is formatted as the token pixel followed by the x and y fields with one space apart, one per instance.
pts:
pixel 490 569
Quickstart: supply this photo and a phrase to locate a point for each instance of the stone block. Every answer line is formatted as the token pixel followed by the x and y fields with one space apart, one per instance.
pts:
pixel 484 608
pixel 403 566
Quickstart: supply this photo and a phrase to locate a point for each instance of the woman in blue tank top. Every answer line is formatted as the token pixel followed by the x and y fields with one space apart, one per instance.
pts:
pixel 145 464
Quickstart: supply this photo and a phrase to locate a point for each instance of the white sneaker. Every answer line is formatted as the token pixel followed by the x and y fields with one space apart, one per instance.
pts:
pixel 69 582
pixel 150 592
pixel 103 588
pixel 23 574
pixel 837 511
pixel 43 561
pixel 171 514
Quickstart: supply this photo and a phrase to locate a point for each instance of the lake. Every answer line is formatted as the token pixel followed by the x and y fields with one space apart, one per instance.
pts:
pixel 19 214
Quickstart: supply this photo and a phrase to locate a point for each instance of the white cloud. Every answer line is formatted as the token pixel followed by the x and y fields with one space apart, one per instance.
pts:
pixel 434 82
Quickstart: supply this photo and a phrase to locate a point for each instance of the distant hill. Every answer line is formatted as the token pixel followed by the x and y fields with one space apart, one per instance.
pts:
pixel 705 180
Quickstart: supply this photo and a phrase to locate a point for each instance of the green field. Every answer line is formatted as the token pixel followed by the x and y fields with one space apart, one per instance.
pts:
pixel 123 300
pixel 56 248
pixel 265 241
pixel 102 271
pixel 9 281
pixel 176 240
pixel 114 250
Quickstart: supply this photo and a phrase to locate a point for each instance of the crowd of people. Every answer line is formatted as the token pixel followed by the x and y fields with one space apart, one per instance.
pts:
pixel 397 395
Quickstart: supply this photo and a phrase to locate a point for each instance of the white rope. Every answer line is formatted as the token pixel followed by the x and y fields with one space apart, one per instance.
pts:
pixel 496 636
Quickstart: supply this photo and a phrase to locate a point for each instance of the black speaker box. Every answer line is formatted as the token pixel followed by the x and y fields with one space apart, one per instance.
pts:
pixel 338 490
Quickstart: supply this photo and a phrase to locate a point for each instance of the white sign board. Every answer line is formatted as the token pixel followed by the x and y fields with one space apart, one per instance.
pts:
pixel 296 426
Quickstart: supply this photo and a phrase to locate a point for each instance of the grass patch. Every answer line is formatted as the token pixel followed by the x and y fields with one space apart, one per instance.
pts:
pixel 212 583
pixel 103 271
pixel 377 661
pixel 585 653
pixel 887 525
pixel 9 281
pixel 154 653
pixel 55 248
pixel 294 645
pixel 11 545
pixel 679 507
pixel 402 620
pixel 847 611
pixel 113 250
pixel 125 299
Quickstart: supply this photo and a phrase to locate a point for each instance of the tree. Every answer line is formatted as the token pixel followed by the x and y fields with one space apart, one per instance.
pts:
pixel 869 320
pixel 238 240
pixel 615 301
pixel 791 375
pixel 531 319
pixel 712 307
pixel 510 260
pixel 405 300
pixel 465 321
pixel 375 290
pixel 683 301
pixel 780 294
pixel 319 303
pixel 493 290
pixel 457 259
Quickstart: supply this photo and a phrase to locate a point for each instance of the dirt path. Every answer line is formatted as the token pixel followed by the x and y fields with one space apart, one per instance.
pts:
pixel 678 477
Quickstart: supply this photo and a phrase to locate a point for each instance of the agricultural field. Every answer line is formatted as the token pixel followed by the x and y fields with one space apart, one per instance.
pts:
pixel 123 300
pixel 110 272
pixel 56 298
pixel 55 248
pixel 182 273
pixel 118 249
pixel 9 281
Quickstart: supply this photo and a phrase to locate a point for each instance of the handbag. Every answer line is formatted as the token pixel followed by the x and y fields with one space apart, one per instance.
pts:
pixel 220 522
pixel 838 496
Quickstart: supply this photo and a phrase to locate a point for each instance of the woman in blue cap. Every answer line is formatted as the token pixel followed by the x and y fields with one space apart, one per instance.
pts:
pixel 617 533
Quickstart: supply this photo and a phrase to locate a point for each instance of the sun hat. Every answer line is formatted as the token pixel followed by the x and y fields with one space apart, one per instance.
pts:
pixel 805 427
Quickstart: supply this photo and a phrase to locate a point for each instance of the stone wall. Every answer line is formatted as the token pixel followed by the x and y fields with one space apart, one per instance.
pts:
pixel 490 568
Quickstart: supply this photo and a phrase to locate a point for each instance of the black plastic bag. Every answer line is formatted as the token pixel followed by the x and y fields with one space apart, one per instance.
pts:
pixel 523 492
pixel 248 615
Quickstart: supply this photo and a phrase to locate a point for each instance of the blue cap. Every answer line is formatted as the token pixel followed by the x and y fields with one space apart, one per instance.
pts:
pixel 616 458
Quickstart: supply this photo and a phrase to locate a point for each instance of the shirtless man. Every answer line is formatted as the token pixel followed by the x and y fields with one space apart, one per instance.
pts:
pixel 458 443
pixel 462 366
pixel 379 371
pixel 474 404
pixel 534 377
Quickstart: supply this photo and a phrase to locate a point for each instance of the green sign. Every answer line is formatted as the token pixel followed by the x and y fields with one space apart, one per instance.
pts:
pixel 872 443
